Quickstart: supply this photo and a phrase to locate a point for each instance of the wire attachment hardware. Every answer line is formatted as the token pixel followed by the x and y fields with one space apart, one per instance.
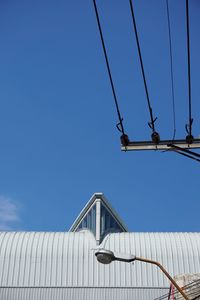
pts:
pixel 155 137
pixel 120 126
pixel 124 137
pixel 124 140
pixel 189 138
pixel 151 124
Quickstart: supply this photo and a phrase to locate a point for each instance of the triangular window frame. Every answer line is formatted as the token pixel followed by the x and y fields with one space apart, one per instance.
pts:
pixel 99 226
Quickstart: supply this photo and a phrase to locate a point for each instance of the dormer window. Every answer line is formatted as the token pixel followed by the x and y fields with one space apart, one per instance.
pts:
pixel 99 217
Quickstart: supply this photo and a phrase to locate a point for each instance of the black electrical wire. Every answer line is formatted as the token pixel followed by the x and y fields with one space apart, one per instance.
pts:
pixel 109 71
pixel 171 69
pixel 187 155
pixel 185 150
pixel 186 287
pixel 189 126
pixel 151 124
pixel 169 294
pixel 190 289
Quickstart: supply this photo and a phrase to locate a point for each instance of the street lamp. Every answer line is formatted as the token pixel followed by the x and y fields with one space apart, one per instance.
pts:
pixel 105 256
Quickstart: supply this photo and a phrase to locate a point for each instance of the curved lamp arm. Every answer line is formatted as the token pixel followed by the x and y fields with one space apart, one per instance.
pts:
pixel 106 256
pixel 165 272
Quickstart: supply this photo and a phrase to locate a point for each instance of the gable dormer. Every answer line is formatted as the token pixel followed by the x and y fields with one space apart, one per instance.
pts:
pixel 99 217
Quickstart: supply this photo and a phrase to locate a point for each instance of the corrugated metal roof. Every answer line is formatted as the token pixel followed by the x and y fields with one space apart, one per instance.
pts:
pixel 57 259
pixel 80 293
pixel 178 252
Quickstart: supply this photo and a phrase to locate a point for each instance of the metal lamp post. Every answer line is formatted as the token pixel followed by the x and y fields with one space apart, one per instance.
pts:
pixel 105 256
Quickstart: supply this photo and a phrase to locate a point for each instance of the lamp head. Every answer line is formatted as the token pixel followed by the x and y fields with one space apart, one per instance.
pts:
pixel 105 256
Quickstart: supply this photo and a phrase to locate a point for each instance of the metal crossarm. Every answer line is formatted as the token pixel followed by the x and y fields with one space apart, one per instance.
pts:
pixel 163 145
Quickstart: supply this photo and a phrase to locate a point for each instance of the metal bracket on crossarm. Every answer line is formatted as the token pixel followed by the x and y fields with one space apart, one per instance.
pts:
pixel 178 146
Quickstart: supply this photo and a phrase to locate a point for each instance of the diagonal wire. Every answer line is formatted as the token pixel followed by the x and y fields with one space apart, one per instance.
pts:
pixel 151 124
pixel 171 69
pixel 185 150
pixel 109 71
pixel 190 286
pixel 187 155
pixel 191 289
pixel 189 126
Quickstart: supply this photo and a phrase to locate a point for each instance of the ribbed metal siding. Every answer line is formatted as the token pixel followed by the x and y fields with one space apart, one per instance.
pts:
pixel 79 294
pixel 39 259
pixel 46 259
pixel 178 252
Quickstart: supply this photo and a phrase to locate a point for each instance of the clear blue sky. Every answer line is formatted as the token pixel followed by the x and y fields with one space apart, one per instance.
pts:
pixel 58 140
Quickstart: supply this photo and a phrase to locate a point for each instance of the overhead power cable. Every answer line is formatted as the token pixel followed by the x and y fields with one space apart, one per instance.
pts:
pixel 155 135
pixel 124 137
pixel 189 137
pixel 185 152
pixel 187 155
pixel 171 71
pixel 192 290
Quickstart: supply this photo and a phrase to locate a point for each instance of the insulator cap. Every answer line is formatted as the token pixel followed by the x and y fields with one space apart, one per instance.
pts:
pixel 155 137
pixel 189 139
pixel 124 140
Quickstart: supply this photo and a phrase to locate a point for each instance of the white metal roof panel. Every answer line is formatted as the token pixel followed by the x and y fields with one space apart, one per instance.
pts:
pixel 63 293
pixel 58 259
